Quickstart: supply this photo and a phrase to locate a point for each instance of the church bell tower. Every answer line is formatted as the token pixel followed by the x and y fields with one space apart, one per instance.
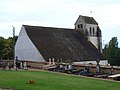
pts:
pixel 90 28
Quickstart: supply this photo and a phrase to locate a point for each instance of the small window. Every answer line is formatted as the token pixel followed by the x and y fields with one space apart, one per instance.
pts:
pixel 93 31
pixel 78 26
pixel 90 31
pixel 81 25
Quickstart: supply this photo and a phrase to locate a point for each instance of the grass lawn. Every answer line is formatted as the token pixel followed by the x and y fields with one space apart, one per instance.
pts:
pixel 52 81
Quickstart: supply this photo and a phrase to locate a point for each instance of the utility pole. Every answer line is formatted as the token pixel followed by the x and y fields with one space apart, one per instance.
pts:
pixel 14 47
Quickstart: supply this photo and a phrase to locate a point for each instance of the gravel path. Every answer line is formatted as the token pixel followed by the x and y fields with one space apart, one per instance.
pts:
pixel 5 89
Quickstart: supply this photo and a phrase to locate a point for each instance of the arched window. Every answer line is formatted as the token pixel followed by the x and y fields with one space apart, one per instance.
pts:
pixel 81 25
pixel 93 31
pixel 78 26
pixel 90 31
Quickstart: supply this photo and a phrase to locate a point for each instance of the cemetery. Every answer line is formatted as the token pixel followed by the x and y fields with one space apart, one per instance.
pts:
pixel 88 70
pixel 46 80
pixel 50 58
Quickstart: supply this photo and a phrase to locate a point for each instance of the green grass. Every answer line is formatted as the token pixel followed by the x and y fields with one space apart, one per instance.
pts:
pixel 52 81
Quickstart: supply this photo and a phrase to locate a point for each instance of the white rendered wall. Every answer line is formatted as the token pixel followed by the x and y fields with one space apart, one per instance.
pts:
pixel 92 26
pixel 80 21
pixel 92 38
pixel 25 49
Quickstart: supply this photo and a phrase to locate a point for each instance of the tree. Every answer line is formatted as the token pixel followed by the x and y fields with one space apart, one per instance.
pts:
pixel 2 45
pixel 7 47
pixel 112 52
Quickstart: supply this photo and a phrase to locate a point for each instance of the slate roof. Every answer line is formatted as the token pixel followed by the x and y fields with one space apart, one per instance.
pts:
pixel 88 20
pixel 68 44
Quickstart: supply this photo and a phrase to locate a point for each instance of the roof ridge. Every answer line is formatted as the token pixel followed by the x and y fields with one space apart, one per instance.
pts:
pixel 85 16
pixel 48 27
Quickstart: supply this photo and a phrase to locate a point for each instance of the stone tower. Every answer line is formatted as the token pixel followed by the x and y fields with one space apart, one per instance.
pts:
pixel 90 28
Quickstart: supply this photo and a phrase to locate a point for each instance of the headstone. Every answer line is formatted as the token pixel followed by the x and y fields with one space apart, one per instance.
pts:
pixel 21 65
pixel 97 67
pixel 61 66
pixel 112 70
pixel 61 60
pixel 58 63
pixel 69 66
pixel 7 64
pixel 65 67
pixel 25 65
pixel 16 63
pixel 50 61
pixel 53 61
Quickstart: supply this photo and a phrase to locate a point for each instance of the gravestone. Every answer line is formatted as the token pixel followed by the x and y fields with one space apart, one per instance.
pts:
pixel 98 67
pixel 50 61
pixel 25 65
pixel 53 61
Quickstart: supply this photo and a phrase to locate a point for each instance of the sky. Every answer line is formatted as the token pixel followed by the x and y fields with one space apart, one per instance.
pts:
pixel 59 13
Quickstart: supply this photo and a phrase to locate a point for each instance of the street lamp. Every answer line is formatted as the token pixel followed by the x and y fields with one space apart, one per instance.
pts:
pixel 14 46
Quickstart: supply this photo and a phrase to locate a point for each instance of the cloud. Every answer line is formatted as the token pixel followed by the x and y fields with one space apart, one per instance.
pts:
pixel 59 13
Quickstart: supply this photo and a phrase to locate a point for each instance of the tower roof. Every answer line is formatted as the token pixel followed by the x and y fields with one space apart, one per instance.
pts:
pixel 87 19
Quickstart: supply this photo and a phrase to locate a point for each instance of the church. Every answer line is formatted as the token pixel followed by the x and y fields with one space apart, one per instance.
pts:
pixel 82 44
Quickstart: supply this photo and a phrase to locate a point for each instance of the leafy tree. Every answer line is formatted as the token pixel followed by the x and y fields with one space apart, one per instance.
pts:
pixel 112 52
pixel 7 47
pixel 2 42
pixel 8 50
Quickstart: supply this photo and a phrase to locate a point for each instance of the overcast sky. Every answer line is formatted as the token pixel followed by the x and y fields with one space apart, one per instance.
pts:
pixel 59 13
